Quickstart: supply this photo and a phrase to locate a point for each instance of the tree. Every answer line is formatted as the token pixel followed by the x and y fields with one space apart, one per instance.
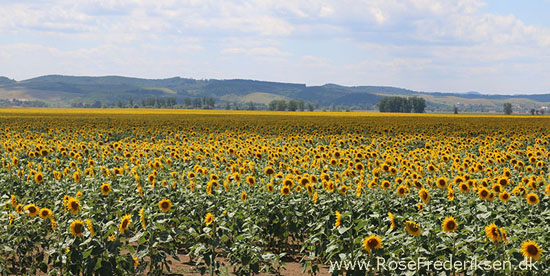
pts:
pixel 187 102
pixel 292 105
pixel 507 108
pixel 456 109
pixel 533 111
pixel 418 104
pixel 197 103
pixel 251 105
pixel 281 105
pixel 401 104
pixel 301 105
pixel 310 107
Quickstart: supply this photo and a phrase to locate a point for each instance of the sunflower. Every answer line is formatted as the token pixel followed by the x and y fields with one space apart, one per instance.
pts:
pixel 13 201
pixel 315 197
pixel 310 188
pixel 491 231
pixel 392 220
pixel 19 208
pixel 503 234
pixel 76 176
pixel 73 205
pixel 441 182
pixel 464 187
pixel 270 187
pixel 105 188
pixel 251 180
pixel 424 195
pixel 244 196
pixel 401 190
pixel 285 190
pixel 45 213
pixel 165 205
pixel 449 224
pixel 125 223
pixel 531 250
pixel 208 219
pixel 90 227
pixel 53 223
pixel 385 184
pixel 142 218
pixel 372 242
pixel 504 196
pixel 31 209
pixel 269 171
pixel 338 219
pixel 412 228
pixel 39 177
pixel 420 206
pixel 450 194
pixel 77 227
pixel 483 193
pixel 532 198
pixel 288 182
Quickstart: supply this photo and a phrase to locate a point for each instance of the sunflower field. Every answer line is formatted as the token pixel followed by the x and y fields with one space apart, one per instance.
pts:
pixel 130 192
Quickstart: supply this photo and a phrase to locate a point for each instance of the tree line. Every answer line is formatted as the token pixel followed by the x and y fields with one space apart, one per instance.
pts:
pixel 292 105
pixel 402 104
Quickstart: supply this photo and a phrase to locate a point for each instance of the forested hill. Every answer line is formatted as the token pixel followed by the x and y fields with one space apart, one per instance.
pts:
pixel 64 91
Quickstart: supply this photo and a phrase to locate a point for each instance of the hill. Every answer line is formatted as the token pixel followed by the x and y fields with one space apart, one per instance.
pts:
pixel 64 91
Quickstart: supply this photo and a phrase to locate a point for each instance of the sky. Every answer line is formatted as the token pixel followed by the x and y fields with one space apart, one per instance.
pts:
pixel 489 46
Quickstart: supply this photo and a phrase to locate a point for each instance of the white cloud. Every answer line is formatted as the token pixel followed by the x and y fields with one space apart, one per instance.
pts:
pixel 401 42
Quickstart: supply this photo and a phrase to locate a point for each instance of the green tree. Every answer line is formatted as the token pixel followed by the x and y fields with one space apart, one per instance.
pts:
pixel 292 105
pixel 507 108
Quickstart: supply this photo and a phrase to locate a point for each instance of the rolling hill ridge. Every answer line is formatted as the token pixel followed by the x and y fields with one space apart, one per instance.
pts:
pixel 66 91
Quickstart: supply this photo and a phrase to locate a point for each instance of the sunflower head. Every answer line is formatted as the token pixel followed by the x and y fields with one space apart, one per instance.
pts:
pixel 532 198
pixel 449 225
pixel 45 213
pixel 392 220
pixel 285 190
pixel 105 188
pixel 77 228
pixel 125 223
pixel 244 196
pixel 165 205
pixel 73 205
pixel 530 249
pixel 251 180
pixel 441 182
pixel 504 196
pixel 424 195
pixel 412 228
pixel 32 210
pixel 492 232
pixel 372 242
pixel 483 193
pixel 401 190
pixel 269 171
pixel 208 219
pixel 338 220
pixel 39 177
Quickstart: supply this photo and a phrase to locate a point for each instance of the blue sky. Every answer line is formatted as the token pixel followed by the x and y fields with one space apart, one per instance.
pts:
pixel 491 46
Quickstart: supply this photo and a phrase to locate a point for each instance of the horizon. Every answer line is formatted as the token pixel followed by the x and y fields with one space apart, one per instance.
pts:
pixel 483 93
pixel 489 47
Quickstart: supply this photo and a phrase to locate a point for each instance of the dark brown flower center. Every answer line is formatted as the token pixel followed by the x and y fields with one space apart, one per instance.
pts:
pixel 532 250
pixel 372 243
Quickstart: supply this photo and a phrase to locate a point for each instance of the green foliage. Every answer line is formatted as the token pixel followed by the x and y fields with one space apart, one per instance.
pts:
pixel 402 104
pixel 507 108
